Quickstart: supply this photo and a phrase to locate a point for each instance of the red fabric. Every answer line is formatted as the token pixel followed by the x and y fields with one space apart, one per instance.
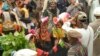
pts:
pixel 39 52
pixel 46 53
pixel 32 31
pixel 42 53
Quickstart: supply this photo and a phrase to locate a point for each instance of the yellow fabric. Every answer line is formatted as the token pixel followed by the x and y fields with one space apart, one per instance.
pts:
pixel 26 12
pixel 58 33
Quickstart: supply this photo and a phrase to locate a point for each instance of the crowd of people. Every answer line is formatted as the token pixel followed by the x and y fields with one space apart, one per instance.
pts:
pixel 52 27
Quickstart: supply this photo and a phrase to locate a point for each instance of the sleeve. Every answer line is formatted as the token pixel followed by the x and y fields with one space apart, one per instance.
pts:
pixel 80 6
pixel 45 13
pixel 70 8
pixel 66 26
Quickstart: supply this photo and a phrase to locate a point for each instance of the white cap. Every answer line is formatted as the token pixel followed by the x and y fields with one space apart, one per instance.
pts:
pixel 64 15
pixel 25 52
pixel 81 15
pixel 44 19
pixel 97 11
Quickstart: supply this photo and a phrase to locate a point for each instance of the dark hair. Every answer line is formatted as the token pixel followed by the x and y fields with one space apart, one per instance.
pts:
pixel 61 22
pixel 31 38
pixel 12 17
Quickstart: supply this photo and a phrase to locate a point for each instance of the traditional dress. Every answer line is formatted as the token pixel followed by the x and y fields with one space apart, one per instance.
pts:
pixel 94 4
pixel 87 36
pixel 77 50
pixel 96 27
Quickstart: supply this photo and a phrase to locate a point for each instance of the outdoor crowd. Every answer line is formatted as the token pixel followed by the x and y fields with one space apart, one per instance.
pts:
pixel 52 28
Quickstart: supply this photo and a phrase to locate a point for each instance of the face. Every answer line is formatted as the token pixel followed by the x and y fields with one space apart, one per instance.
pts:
pixel 32 39
pixel 53 5
pixel 72 1
pixel 58 25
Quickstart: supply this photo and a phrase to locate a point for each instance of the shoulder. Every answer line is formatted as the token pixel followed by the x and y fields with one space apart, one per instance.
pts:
pixel 92 24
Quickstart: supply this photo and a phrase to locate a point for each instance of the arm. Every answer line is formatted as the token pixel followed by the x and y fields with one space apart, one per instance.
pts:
pixel 89 2
pixel 70 8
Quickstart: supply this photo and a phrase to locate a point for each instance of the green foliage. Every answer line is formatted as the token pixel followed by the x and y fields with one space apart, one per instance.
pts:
pixel 61 43
pixel 12 42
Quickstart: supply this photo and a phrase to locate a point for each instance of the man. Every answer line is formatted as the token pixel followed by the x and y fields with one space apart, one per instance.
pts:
pixel 96 23
pixel 76 48
pixel 74 7
pixel 80 25
pixel 62 5
pixel 96 27
pixel 93 4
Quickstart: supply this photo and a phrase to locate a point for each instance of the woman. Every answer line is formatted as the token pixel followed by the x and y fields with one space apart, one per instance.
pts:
pixel 58 32
pixel 76 48
pixel 60 36
pixel 74 7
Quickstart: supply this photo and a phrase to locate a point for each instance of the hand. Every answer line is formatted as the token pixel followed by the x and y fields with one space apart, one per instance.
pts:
pixel 55 49
pixel 90 2
pixel 46 53
pixel 56 41
pixel 76 4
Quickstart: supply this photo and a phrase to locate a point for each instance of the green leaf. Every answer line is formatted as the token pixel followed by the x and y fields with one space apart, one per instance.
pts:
pixel 61 43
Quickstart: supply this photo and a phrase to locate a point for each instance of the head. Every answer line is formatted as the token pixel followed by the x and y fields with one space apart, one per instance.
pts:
pixel 32 39
pixel 44 23
pixel 6 7
pixel 72 1
pixel 73 36
pixel 52 4
pixel 81 20
pixel 58 23
pixel 20 4
pixel 97 12
pixel 64 17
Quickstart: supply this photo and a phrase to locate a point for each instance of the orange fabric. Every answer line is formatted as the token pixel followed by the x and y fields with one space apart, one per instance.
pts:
pixel 1 28
pixel 17 27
